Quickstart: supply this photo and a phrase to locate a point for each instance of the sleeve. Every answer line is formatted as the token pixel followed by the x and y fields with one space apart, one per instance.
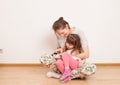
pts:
pixel 83 38
pixel 60 42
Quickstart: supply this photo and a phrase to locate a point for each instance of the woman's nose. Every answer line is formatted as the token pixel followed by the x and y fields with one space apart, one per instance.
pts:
pixel 62 35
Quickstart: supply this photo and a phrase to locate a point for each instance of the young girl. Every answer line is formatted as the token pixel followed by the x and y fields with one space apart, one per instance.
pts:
pixel 69 59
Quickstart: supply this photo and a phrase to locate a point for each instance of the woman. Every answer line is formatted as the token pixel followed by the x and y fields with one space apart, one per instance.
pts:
pixel 62 29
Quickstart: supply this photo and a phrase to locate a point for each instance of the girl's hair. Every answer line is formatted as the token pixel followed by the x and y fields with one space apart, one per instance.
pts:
pixel 60 23
pixel 75 40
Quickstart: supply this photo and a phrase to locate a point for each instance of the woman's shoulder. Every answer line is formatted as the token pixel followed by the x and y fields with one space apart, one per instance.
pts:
pixel 77 30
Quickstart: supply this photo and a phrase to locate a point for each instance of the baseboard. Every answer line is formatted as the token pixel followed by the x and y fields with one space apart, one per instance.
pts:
pixel 31 64
pixel 107 64
pixel 19 64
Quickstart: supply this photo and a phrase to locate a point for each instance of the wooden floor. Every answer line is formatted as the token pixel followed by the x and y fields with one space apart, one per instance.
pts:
pixel 36 75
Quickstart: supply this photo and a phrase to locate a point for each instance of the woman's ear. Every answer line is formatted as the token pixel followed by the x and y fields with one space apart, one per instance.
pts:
pixel 67 27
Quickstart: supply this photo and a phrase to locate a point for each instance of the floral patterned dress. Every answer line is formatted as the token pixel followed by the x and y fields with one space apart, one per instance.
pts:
pixel 86 70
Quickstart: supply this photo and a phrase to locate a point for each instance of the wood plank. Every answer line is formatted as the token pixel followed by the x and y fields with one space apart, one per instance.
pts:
pixel 36 75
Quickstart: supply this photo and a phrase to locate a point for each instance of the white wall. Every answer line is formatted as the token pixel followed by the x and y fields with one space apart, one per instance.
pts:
pixel 26 28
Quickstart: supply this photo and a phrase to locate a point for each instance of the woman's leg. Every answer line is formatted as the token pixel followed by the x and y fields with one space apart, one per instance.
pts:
pixel 86 70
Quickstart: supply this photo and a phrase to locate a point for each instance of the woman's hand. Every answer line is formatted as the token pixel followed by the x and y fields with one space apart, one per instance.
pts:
pixel 84 54
pixel 82 62
pixel 81 55
pixel 59 50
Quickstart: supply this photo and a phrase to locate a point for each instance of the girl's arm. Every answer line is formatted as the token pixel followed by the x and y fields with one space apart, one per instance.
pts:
pixel 59 50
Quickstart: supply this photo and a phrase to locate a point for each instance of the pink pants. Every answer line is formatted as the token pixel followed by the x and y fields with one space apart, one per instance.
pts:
pixel 66 61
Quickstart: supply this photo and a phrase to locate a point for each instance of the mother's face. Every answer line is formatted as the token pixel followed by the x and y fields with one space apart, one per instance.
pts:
pixel 63 32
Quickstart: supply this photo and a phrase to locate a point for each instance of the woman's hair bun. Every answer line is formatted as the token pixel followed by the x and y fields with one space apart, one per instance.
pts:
pixel 61 18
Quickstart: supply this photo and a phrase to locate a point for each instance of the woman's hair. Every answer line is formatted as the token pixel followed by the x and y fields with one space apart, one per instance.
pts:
pixel 75 40
pixel 60 23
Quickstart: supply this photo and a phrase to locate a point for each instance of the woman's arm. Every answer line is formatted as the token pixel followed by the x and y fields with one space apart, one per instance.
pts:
pixel 84 54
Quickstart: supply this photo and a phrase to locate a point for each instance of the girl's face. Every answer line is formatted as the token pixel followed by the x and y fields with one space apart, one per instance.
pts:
pixel 69 46
pixel 63 32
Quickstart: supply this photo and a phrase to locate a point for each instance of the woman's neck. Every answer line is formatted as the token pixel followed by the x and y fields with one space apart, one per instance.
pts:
pixel 72 30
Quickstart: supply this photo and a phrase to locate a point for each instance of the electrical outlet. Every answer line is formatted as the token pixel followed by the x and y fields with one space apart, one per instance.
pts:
pixel 1 51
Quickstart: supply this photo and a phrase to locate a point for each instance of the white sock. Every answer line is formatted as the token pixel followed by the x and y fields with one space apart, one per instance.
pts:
pixel 53 74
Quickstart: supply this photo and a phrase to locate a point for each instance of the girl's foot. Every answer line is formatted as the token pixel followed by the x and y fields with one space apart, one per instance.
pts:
pixel 65 74
pixel 66 79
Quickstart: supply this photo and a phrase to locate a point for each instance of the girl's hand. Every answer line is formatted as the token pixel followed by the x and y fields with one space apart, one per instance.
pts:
pixel 59 50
